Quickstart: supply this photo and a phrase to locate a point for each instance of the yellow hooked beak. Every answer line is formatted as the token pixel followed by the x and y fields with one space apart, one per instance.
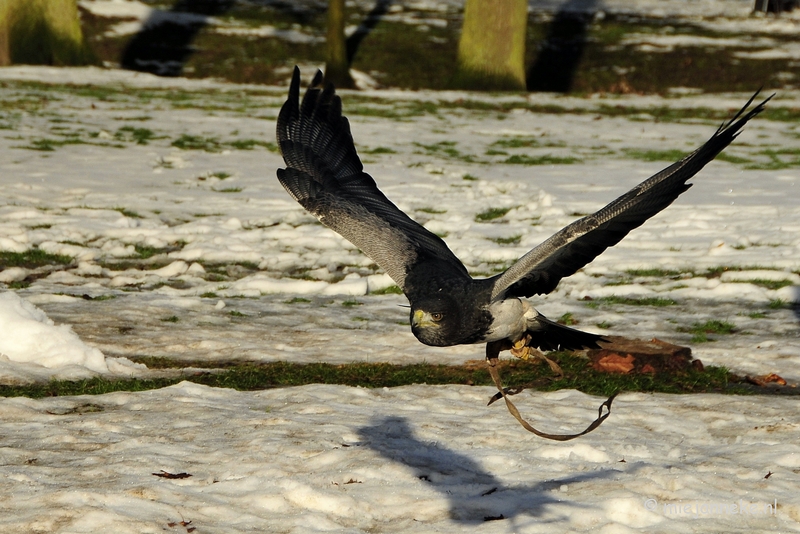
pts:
pixel 424 319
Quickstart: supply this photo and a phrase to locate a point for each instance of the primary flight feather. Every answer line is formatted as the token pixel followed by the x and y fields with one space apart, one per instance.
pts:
pixel 448 307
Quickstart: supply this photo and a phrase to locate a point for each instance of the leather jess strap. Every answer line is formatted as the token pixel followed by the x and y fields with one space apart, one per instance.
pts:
pixel 492 364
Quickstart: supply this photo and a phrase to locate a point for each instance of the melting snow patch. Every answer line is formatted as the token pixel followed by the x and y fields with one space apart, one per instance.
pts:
pixel 33 347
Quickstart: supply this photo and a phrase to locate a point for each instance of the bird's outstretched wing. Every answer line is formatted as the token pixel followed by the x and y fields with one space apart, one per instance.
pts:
pixel 539 271
pixel 324 174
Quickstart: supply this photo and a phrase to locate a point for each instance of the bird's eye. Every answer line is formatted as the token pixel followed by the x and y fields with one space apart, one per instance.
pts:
pixel 436 317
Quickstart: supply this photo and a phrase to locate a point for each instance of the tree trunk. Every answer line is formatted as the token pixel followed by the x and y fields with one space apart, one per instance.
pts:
pixel 337 68
pixel 41 32
pixel 5 51
pixel 491 51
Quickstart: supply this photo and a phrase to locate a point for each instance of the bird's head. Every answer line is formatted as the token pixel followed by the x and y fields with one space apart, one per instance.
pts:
pixel 436 321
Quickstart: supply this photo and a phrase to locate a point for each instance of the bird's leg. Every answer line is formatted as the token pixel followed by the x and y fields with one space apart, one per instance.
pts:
pixel 493 349
pixel 522 350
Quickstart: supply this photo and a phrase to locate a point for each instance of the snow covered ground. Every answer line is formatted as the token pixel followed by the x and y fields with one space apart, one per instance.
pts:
pixel 416 458
pixel 186 246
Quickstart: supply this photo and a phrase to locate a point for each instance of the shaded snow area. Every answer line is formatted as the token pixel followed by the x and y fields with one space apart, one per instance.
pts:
pixel 417 458
pixel 168 235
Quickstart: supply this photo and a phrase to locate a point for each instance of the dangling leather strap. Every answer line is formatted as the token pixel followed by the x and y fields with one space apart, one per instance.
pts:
pixel 492 364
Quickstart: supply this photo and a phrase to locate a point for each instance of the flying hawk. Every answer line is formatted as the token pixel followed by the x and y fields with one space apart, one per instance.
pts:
pixel 448 307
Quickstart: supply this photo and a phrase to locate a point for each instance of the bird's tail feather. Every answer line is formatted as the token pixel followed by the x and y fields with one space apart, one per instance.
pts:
pixel 554 336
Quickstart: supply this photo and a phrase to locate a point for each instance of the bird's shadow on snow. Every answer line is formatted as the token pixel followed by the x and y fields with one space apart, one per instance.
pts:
pixel 475 495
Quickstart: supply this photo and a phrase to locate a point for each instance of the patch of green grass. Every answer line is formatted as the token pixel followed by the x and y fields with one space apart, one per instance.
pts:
pixel 351 303
pixel 382 112
pixel 469 178
pixel 379 150
pixel 777 304
pixel 513 240
pixel 141 136
pixel 578 374
pixel 391 290
pixel 32 258
pixel 196 142
pixel 432 211
pixel 656 155
pixel 227 190
pixel 145 252
pixel 170 319
pixel 769 284
pixel 782 114
pixel 661 273
pixel 715 272
pixel 777 159
pixel 234 313
pixel 128 213
pixel 209 295
pixel 49 145
pixel 296 300
pixel 446 148
pixel 567 319
pixel 643 301
pixel 517 142
pixel 730 158
pixel 757 315
pixel 605 325
pixel 141 118
pixel 221 175
pixel 491 214
pixel 547 159
pixel 250 144
pixel 700 331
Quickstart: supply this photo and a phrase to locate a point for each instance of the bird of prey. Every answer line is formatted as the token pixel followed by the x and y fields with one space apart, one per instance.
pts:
pixel 448 307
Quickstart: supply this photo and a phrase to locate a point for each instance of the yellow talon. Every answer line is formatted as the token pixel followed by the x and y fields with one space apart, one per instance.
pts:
pixel 523 351
pixel 520 348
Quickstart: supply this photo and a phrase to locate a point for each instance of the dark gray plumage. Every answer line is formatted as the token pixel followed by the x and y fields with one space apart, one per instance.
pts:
pixel 448 307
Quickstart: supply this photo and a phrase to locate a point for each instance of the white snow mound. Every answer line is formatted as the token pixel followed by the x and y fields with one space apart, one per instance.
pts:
pixel 27 335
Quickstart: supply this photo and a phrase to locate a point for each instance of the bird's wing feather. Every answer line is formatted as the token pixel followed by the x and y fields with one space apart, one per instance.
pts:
pixel 324 174
pixel 540 270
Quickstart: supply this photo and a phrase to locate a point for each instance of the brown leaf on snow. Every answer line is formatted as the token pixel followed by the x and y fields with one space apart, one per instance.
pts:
pixel 614 363
pixel 766 379
pixel 772 377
